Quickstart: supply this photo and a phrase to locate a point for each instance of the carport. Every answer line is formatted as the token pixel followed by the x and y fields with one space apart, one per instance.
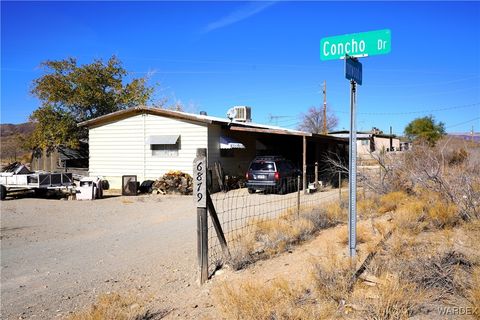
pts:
pixel 303 149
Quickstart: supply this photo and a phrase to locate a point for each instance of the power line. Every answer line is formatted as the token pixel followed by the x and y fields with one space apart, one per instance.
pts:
pixel 459 124
pixel 415 112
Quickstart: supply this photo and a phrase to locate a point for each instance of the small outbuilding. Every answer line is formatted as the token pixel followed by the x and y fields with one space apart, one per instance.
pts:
pixel 372 141
pixel 149 142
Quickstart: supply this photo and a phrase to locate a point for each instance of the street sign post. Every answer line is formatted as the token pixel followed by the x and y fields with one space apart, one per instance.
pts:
pixel 353 70
pixel 352 173
pixel 356 45
pixel 351 47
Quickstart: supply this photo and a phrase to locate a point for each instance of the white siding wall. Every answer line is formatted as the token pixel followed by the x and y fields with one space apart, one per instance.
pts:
pixel 120 148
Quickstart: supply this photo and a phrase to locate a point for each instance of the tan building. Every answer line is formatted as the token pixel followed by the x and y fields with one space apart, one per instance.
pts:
pixel 372 142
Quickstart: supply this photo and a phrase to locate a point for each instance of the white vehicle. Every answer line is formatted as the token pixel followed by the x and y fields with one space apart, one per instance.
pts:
pixel 17 177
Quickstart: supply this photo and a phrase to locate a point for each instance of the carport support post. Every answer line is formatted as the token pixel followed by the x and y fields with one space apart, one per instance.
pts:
pixel 304 164
pixel 298 196
pixel 316 175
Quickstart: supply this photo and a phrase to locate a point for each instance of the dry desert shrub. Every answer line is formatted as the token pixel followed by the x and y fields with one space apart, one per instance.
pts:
pixel 451 169
pixel 410 217
pixel 368 207
pixel 364 234
pixel 267 238
pixel 277 235
pixel 336 212
pixel 278 299
pixel 390 201
pixel 473 294
pixel 394 299
pixel 333 278
pixel 427 211
pixel 443 215
pixel 117 307
pixel 242 250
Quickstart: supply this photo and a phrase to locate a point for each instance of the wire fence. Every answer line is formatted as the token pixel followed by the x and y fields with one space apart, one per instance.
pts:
pixel 240 210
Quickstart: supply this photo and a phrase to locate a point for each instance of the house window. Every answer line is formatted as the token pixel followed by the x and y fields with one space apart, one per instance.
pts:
pixel 164 146
pixel 165 150
pixel 365 142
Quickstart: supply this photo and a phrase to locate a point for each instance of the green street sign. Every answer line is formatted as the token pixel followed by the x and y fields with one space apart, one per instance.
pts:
pixel 355 45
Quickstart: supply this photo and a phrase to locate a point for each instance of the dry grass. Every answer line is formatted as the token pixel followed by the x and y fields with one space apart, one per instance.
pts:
pixel 267 238
pixel 336 212
pixel 393 299
pixel 431 259
pixel 364 234
pixel 368 207
pixel 390 201
pixel 265 301
pixel 443 215
pixel 410 217
pixel 333 278
pixel 117 307
pixel 278 235
pixel 473 294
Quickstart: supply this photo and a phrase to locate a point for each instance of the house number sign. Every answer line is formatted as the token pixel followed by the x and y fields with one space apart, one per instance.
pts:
pixel 200 182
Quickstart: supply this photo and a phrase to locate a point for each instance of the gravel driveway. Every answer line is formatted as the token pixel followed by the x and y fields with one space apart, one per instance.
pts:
pixel 58 255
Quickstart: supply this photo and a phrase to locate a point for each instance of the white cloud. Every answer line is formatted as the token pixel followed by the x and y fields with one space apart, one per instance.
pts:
pixel 240 14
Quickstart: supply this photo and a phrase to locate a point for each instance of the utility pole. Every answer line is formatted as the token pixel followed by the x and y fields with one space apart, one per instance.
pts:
pixel 325 131
pixel 391 139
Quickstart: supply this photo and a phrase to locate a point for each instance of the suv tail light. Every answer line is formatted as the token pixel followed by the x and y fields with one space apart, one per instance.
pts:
pixel 277 176
pixel 248 176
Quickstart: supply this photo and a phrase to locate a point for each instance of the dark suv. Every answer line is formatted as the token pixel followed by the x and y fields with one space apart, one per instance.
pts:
pixel 271 173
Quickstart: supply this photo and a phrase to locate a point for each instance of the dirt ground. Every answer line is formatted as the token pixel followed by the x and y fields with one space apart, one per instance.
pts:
pixel 58 256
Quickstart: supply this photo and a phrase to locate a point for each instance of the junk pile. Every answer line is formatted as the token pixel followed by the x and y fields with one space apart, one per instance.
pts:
pixel 174 182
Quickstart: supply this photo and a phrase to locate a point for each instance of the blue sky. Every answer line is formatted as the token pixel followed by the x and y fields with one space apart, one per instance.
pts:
pixel 214 55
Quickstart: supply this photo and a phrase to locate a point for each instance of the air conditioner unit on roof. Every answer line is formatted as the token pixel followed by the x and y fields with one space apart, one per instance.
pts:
pixel 240 114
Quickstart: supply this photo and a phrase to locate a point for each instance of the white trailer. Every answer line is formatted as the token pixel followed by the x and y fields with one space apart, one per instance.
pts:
pixel 19 178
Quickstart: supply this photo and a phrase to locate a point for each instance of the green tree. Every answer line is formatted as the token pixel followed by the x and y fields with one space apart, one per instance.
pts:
pixel 425 129
pixel 70 94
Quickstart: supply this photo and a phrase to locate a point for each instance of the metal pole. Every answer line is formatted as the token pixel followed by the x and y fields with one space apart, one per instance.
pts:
pixel 316 175
pixel 298 196
pixel 352 181
pixel 325 130
pixel 304 164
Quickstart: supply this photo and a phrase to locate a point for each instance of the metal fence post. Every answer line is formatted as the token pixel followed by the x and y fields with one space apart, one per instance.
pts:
pixel 339 187
pixel 316 175
pixel 298 196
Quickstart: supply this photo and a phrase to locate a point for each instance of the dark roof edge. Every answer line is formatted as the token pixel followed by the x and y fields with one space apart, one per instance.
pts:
pixel 141 110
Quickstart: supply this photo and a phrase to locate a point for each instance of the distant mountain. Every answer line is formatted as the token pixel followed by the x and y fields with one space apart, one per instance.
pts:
pixel 475 136
pixel 9 129
pixel 11 149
